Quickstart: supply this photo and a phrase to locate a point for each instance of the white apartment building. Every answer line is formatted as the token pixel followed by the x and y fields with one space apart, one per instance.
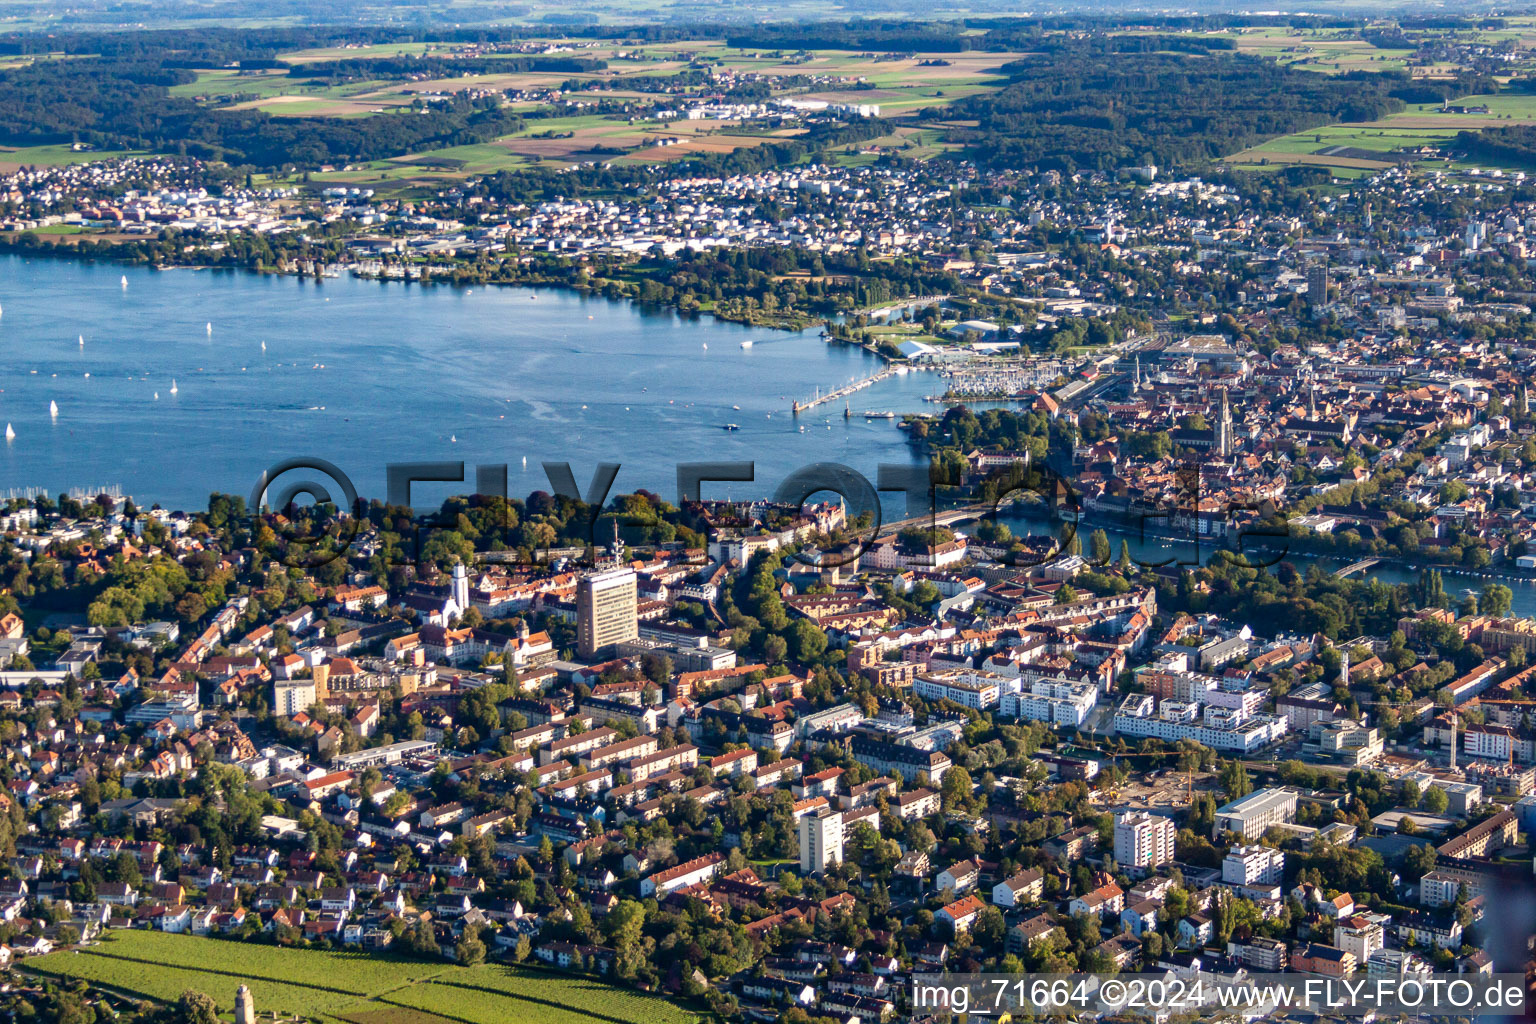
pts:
pixel 1254 865
pixel 821 842
pixel 1056 702
pixel 1360 936
pixel 1143 840
pixel 1140 715
pixel 970 689
pixel 290 696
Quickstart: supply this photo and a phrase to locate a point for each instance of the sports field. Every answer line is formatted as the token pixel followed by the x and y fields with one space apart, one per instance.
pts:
pixel 356 988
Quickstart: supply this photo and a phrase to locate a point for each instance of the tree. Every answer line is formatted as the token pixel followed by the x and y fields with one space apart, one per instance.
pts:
pixel 810 642
pixel 1495 600
pixel 1419 861
pixel 1435 800
pixel 469 950
pixel 955 789
pixel 1098 541
pixel 1234 779
pixel 625 923
pixel 989 927
pixel 193 1008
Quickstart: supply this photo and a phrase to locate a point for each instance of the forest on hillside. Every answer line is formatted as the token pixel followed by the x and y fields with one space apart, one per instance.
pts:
pixel 1093 106
pixel 124 102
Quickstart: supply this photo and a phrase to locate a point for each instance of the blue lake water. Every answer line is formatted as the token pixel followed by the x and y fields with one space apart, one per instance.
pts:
pixel 363 373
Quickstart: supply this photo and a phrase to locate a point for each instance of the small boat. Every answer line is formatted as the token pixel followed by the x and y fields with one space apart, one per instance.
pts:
pixel 453 438
pixel 732 426
pixel 53 408
pixel 747 343
pixel 124 282
pixel 87 376
pixel 736 407
pixel 525 460
pixel 10 432
pixel 210 328
pixel 263 346
pixel 157 396
pixel 706 346
pixel 173 386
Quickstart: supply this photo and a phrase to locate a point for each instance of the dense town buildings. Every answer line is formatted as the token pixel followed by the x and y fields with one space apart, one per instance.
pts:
pixel 963 748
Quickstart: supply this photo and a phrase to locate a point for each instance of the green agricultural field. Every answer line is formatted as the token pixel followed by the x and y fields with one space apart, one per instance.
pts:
pixel 356 988
pixel 1325 51
pixel 222 82
pixel 364 52
pixel 56 156
pixel 1360 148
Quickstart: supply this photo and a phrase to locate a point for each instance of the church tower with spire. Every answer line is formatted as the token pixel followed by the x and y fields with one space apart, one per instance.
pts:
pixel 459 587
pixel 1224 427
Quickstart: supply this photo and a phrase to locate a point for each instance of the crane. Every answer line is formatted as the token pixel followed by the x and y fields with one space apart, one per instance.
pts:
pixel 1114 787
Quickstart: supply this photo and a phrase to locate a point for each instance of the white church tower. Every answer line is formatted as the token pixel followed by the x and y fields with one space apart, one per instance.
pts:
pixel 460 587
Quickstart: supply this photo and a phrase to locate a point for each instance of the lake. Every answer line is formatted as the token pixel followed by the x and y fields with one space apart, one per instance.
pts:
pixel 363 373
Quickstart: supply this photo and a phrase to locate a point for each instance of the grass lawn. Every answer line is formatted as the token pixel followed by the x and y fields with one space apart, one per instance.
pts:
pixel 357 988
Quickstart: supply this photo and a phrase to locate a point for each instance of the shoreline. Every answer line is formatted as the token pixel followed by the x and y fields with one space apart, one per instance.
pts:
pixel 1391 561
pixel 61 250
